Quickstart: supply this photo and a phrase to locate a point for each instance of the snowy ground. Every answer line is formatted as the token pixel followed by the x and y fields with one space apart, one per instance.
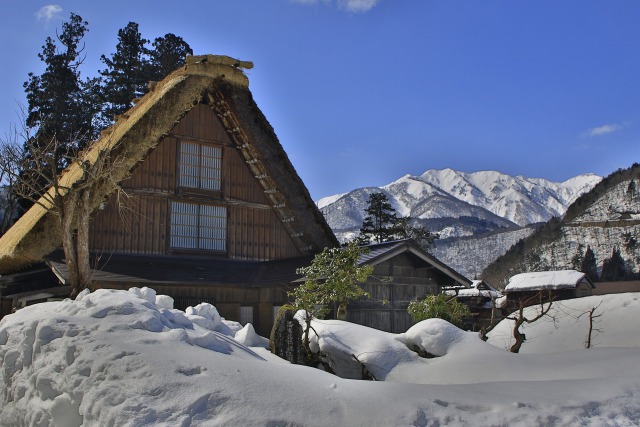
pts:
pixel 616 324
pixel 125 359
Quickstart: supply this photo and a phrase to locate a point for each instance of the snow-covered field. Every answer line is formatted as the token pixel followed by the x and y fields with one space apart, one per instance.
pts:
pixel 126 359
pixel 616 323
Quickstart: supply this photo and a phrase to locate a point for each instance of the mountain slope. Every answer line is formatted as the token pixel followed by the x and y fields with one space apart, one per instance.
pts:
pixel 605 218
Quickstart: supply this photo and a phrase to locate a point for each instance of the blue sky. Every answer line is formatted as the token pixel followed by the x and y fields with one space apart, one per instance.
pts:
pixel 361 92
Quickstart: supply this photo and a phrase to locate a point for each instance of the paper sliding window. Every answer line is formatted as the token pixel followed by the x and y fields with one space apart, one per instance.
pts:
pixel 198 226
pixel 200 166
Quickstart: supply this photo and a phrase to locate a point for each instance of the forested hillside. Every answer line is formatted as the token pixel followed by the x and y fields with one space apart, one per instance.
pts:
pixel 471 254
pixel 598 234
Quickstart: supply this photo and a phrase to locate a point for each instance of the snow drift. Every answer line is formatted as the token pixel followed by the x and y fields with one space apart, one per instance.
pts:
pixel 127 358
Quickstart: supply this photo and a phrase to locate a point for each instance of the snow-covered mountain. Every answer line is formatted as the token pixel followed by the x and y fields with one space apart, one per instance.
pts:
pixel 494 198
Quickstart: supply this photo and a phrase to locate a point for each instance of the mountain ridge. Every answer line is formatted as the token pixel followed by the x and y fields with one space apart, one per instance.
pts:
pixel 504 199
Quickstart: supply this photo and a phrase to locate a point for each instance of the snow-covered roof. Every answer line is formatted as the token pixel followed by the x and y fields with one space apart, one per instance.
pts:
pixel 479 287
pixel 545 280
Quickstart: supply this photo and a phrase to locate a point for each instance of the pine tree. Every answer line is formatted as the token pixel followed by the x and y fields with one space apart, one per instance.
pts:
pixel 590 264
pixel 420 235
pixel 381 223
pixel 127 73
pixel 614 268
pixel 168 53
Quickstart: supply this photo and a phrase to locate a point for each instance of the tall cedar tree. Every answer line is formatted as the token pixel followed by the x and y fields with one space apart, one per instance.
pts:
pixel 168 53
pixel 590 264
pixel 127 73
pixel 60 105
pixel 133 66
pixel 381 223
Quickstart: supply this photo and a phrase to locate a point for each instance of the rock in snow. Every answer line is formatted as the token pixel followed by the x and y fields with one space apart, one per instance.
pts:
pixel 127 358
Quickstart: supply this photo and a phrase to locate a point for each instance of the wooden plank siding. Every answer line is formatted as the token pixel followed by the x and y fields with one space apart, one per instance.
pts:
pixel 140 226
pixel 397 282
pixel 254 231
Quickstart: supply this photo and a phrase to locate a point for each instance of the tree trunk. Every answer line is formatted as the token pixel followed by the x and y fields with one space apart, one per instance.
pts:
pixel 519 337
pixel 76 245
pixel 82 242
pixel 341 314
pixel 66 211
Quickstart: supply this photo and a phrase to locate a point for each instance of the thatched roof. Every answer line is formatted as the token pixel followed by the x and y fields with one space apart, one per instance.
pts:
pixel 214 80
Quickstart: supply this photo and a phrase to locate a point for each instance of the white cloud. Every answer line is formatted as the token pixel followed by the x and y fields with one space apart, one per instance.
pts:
pixel 356 6
pixel 48 12
pixel 604 129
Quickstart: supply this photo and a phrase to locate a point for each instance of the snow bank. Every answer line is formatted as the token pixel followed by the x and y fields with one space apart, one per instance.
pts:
pixel 247 336
pixel 566 328
pixel 435 336
pixel 127 359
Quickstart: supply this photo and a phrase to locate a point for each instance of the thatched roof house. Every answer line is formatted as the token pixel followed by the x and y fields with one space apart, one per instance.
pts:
pixel 195 148
pixel 220 83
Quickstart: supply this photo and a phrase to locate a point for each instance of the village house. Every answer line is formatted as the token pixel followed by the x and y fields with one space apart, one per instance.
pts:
pixel 485 303
pixel 215 212
pixel 554 285
pixel 402 272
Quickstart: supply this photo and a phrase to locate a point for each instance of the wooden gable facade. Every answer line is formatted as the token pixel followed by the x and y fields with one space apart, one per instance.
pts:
pixel 171 211
pixel 402 272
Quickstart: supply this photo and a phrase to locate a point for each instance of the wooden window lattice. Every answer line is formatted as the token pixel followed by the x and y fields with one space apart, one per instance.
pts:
pixel 198 226
pixel 200 166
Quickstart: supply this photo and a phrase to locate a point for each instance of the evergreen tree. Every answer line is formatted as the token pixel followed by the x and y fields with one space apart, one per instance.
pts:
pixel 614 268
pixel 578 258
pixel 381 223
pixel 60 104
pixel 168 53
pixel 127 73
pixel 61 108
pixel 589 264
pixel 632 189
pixel 419 234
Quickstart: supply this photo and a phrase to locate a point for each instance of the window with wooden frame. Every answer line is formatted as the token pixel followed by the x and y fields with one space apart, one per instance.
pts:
pixel 200 166
pixel 201 227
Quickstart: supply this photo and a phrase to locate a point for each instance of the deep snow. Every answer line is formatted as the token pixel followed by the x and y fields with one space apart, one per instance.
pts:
pixel 126 358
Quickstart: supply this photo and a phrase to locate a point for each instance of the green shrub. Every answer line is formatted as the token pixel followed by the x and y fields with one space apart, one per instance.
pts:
pixel 441 306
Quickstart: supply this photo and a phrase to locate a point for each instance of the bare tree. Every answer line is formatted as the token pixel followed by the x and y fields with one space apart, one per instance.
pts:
pixel 592 319
pixel 8 198
pixel 542 300
pixel 494 320
pixel 33 169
